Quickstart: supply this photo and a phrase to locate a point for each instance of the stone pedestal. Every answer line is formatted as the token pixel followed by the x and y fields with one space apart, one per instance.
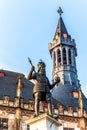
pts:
pixel 43 122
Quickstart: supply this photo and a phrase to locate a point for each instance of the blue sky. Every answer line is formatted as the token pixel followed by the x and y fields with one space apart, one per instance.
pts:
pixel 27 27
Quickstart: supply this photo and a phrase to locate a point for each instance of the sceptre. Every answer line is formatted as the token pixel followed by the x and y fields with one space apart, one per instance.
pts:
pixel 31 63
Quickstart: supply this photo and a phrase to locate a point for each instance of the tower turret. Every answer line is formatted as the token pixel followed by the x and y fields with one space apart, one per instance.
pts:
pixel 63 52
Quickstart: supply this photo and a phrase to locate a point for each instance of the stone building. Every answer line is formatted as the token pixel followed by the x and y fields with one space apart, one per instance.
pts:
pixel 69 102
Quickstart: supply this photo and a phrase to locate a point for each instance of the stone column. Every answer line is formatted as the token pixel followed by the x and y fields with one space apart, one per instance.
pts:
pixel 18 105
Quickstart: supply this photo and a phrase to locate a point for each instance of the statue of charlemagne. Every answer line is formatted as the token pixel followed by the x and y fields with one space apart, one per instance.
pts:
pixel 42 87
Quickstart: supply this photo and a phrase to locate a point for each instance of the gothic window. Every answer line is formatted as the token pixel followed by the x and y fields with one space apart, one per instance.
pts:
pixel 59 56
pixel 64 56
pixel 70 57
pixel 54 55
pixel 3 124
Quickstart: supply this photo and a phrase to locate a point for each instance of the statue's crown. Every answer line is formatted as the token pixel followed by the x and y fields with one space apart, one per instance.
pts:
pixel 41 63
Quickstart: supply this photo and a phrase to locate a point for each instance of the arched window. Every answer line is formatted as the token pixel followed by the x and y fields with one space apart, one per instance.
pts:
pixel 70 57
pixel 54 56
pixel 59 56
pixel 64 56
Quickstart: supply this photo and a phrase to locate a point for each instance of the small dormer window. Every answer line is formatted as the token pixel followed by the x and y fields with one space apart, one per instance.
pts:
pixel 75 94
pixel 2 74
pixel 64 35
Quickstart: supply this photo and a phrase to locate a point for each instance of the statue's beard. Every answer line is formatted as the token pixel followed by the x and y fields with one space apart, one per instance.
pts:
pixel 42 72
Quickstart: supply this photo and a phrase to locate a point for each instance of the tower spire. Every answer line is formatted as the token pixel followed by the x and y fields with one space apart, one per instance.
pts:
pixel 61 30
pixel 63 52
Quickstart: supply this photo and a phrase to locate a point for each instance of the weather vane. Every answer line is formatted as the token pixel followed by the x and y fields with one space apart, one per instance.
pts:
pixel 60 11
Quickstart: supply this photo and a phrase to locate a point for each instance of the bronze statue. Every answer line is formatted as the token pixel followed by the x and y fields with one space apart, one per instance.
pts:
pixel 42 87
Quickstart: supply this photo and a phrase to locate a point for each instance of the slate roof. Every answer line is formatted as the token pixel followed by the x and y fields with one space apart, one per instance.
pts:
pixel 61 28
pixel 8 85
pixel 64 95
pixel 61 94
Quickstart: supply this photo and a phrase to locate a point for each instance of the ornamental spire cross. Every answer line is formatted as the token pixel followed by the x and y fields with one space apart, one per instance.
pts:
pixel 60 11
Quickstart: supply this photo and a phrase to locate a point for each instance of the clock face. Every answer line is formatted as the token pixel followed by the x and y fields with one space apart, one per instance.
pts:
pixel 56 37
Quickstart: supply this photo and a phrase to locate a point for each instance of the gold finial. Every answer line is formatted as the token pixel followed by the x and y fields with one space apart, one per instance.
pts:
pixel 60 11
